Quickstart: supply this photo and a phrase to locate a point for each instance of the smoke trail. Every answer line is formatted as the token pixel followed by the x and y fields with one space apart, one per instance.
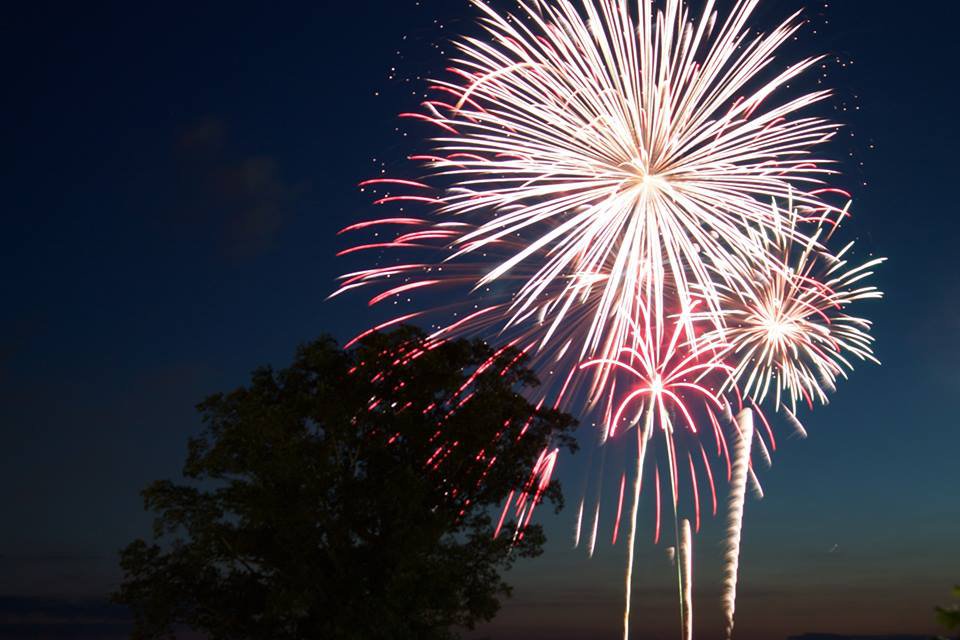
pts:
pixel 671 454
pixel 738 490
pixel 686 566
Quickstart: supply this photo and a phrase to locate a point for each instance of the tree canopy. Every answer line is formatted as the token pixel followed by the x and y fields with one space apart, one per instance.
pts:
pixel 350 495
pixel 950 616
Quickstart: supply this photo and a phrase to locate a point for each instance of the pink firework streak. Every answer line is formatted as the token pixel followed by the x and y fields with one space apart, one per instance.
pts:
pixel 438 414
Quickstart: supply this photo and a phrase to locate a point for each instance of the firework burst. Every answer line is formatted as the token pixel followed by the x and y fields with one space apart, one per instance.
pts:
pixel 607 155
pixel 600 193
pixel 663 376
pixel 789 332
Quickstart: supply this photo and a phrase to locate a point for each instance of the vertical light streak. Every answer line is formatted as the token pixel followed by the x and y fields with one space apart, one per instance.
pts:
pixel 696 491
pixel 686 565
pixel 616 524
pixel 593 532
pixel 642 440
pixel 738 491
pixel 656 532
pixel 592 544
pixel 674 480
pixel 576 534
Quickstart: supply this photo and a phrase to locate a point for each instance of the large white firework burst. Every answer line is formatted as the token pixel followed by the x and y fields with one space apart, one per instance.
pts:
pixel 620 152
pixel 624 142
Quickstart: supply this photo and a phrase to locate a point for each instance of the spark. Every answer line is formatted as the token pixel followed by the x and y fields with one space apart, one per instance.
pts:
pixel 577 529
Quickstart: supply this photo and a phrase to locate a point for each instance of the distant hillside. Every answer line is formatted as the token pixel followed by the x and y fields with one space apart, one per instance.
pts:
pixel 834 636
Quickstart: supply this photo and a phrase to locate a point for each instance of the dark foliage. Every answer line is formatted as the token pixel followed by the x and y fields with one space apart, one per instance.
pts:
pixel 950 616
pixel 309 514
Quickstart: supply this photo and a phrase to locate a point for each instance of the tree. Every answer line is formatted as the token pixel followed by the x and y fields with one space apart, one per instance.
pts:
pixel 347 496
pixel 950 616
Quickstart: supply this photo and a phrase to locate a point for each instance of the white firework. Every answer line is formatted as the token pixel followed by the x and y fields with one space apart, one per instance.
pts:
pixel 789 330
pixel 613 156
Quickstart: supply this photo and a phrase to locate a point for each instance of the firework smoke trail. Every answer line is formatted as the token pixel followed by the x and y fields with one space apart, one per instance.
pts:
pixel 686 564
pixel 738 492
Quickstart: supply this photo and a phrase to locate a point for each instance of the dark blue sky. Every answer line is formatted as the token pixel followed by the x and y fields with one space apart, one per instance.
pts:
pixel 173 180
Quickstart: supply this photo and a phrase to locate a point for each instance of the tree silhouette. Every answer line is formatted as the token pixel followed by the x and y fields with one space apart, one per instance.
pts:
pixel 950 616
pixel 347 496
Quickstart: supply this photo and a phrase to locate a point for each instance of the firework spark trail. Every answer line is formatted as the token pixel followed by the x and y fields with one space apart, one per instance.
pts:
pixel 616 523
pixel 686 564
pixel 593 531
pixel 592 540
pixel 678 534
pixel 579 526
pixel 643 437
pixel 738 491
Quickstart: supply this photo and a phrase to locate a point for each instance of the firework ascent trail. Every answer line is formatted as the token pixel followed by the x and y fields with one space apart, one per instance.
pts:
pixel 686 579
pixel 631 194
pixel 738 492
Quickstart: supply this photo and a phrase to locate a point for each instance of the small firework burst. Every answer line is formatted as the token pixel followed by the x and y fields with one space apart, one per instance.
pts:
pixel 789 332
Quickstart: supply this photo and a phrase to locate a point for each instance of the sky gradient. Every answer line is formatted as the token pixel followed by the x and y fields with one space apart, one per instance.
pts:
pixel 174 179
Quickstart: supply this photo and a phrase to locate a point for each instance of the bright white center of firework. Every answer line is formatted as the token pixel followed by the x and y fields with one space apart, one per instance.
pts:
pixel 647 178
pixel 778 329
pixel 651 182
pixel 657 386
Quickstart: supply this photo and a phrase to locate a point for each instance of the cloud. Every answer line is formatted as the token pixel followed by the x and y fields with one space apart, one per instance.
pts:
pixel 242 199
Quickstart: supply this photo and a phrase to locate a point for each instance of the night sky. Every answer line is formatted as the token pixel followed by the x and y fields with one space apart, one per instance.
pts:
pixel 173 179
